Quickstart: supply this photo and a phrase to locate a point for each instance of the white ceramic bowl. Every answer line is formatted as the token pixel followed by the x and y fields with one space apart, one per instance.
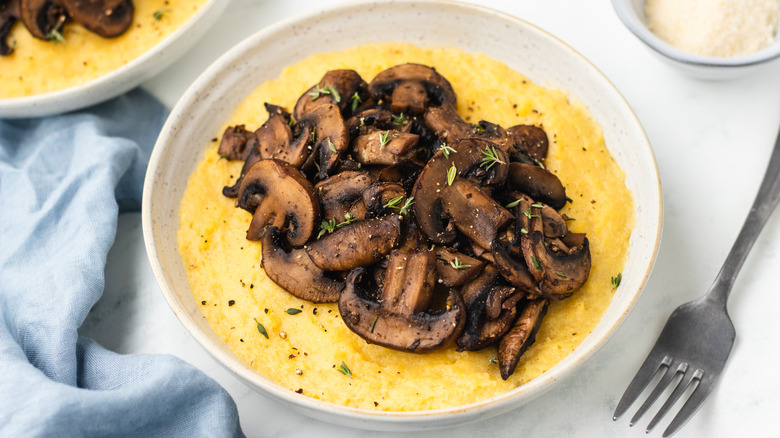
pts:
pixel 210 101
pixel 124 78
pixel 632 14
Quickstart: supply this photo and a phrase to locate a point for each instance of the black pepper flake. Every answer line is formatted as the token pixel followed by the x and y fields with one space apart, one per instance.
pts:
pixel 265 310
pixel 214 140
pixel 241 339
pixel 299 391
pixel 305 353
pixel 231 302
pixel 292 356
pixel 314 311
pixel 251 286
pixel 203 302
pixel 376 404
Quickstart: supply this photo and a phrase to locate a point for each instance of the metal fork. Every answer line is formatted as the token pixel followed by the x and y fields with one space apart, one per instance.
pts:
pixel 692 349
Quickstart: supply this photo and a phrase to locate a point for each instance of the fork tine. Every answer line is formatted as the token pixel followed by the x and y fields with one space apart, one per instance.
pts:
pixel 662 384
pixel 690 407
pixel 642 378
pixel 678 392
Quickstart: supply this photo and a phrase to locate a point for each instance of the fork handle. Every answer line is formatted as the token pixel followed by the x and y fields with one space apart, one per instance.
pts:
pixel 765 202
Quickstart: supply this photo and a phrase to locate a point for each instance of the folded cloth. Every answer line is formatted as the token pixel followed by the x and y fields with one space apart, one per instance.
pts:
pixel 63 181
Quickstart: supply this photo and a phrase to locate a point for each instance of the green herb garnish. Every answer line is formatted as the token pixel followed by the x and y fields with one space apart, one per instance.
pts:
pixel 293 311
pixel 373 324
pixel 262 329
pixel 55 34
pixel 384 138
pixel 537 264
pixel 560 274
pixel 158 14
pixel 395 203
pixel 513 204
pixel 332 147
pixel 451 174
pixel 356 101
pixel 456 264
pixel 344 369
pixel 447 150
pixel 616 280
pixel 528 214
pixel 319 91
pixel 399 119
pixel 493 361
pixel 330 226
pixel 490 157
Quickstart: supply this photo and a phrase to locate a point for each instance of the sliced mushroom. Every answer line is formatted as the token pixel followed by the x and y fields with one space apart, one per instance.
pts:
pixel 466 162
pixel 455 268
pixel 531 140
pixel 522 334
pixel 538 183
pixel 278 195
pixel 10 12
pixel 340 192
pixel 233 144
pixel 410 88
pixel 500 299
pixel 513 270
pixel 359 244
pixel 448 124
pixel 400 319
pixel 336 87
pixel 383 198
pixel 558 275
pixel 331 138
pixel 107 18
pixel 480 331
pixel 368 119
pixel 41 17
pixel 474 213
pixel 383 147
pixel 294 271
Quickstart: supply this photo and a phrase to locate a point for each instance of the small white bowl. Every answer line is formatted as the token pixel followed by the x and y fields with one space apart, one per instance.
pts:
pixel 212 99
pixel 632 14
pixel 124 78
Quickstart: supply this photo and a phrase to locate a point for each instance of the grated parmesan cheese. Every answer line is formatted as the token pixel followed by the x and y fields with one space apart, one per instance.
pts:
pixel 720 28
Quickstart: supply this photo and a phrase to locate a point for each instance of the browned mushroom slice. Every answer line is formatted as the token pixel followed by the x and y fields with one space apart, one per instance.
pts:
pixel 336 87
pixel 107 18
pixel 448 124
pixel 383 147
pixel 554 224
pixel 480 331
pixel 466 159
pixel 43 17
pixel 10 12
pixel 538 183
pixel 294 271
pixel 404 173
pixel 500 299
pixel 400 319
pixel 522 334
pixel 558 275
pixel 530 139
pixel 331 138
pixel 368 119
pixel 409 88
pixel 277 194
pixel 382 198
pixel 359 244
pixel 340 192
pixel 475 214
pixel 233 144
pixel 455 268
pixel 513 270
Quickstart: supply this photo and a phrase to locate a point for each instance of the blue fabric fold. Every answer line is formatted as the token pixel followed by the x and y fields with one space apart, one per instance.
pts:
pixel 63 182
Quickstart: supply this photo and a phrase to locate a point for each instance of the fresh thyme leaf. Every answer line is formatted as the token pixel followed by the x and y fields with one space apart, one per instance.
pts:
pixel 384 138
pixel 569 200
pixel 344 369
pixel 348 219
pixel 313 134
pixel 479 127
pixel 373 324
pixel 560 274
pixel 537 263
pixel 456 264
pixel 262 329
pixel 490 157
pixel 319 91
pixel 513 204
pixel 326 227
pixel 55 34
pixel 158 14
pixel 493 361
pixel 616 280
pixel 528 214
pixel 403 211
pixel 293 311
pixel 451 174
pixel 356 101
pixel 447 150
pixel 225 156
pixel 332 147
pixel 523 231
pixel 395 202
pixel 537 205
pixel 399 119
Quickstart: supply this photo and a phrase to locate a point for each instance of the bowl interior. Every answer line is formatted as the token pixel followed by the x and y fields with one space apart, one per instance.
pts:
pixel 632 13
pixel 213 97
pixel 124 78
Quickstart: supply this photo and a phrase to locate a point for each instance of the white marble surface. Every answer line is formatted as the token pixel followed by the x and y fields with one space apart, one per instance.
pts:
pixel 711 140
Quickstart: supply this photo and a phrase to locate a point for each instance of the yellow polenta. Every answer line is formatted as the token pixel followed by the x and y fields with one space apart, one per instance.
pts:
pixel 38 67
pixel 304 351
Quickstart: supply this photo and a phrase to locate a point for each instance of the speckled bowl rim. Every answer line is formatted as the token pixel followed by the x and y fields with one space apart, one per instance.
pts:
pixel 634 23
pixel 121 79
pixel 634 155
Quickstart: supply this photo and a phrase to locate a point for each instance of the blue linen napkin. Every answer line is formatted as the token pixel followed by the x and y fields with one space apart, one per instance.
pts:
pixel 63 181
